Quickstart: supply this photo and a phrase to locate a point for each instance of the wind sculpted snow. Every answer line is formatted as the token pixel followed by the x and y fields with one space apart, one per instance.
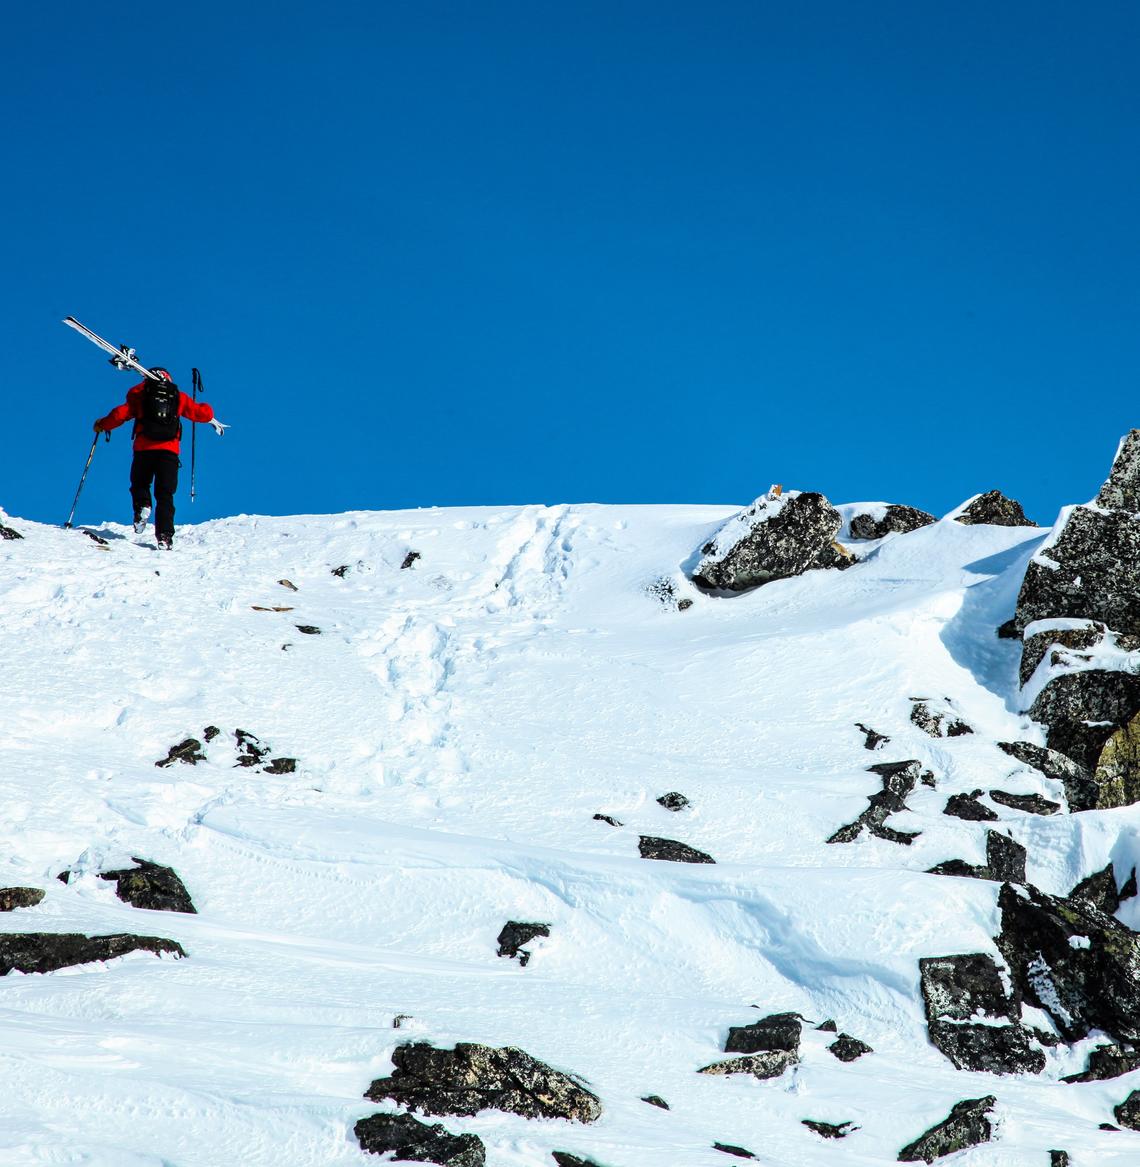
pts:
pixel 457 726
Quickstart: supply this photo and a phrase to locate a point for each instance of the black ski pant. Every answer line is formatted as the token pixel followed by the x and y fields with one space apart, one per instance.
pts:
pixel 161 468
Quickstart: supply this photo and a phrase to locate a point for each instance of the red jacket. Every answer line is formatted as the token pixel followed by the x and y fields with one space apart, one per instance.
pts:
pixel 132 408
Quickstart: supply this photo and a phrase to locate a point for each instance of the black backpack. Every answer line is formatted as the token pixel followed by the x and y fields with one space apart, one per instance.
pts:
pixel 159 420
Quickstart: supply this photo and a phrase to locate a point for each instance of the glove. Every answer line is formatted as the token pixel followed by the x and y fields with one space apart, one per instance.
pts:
pixel 99 426
pixel 219 427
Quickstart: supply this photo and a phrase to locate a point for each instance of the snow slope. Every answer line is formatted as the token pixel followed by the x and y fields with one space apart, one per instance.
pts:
pixel 457 725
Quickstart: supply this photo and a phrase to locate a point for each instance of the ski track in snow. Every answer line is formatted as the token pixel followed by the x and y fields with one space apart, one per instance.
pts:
pixel 457 725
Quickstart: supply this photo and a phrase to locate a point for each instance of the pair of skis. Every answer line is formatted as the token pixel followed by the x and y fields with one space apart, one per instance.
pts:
pixel 124 357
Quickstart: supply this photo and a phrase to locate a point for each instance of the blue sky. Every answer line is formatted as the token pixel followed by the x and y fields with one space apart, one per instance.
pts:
pixel 442 253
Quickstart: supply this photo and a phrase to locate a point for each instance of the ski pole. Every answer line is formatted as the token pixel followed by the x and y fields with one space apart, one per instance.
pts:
pixel 194 436
pixel 94 443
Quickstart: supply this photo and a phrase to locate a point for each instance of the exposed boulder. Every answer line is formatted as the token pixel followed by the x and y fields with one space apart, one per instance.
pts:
pixel 733 1149
pixel 12 898
pixel 609 819
pixel 1029 803
pixel 653 847
pixel 967 1125
pixel 1080 790
pixel 43 952
pixel 1005 861
pixel 565 1159
pixel 874 739
pixel 1067 643
pixel 768 1064
pixel 1121 490
pixel 515 934
pixel 674 801
pixel 778 536
pixel 829 1130
pixel 892 519
pixel 994 508
pixel 1077 963
pixel 9 532
pixel 413 1141
pixel 967 806
pixel 471 1078
pixel 410 559
pixel 849 1049
pixel 151 886
pixel 937 718
pixel 188 751
pixel 780 1031
pixel 1106 1062
pixel 899 779
pixel 1128 1112
pixel 656 1100
pixel 1058 1159
pixel 972 1019
pixel 1099 891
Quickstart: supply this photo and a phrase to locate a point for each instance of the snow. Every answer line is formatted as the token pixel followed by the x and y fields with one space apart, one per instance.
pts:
pixel 457 725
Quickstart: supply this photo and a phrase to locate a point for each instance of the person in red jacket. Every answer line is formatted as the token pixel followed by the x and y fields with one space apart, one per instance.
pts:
pixel 157 407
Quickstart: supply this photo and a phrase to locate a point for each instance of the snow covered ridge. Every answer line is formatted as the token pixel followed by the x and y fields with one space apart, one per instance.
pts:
pixel 386 756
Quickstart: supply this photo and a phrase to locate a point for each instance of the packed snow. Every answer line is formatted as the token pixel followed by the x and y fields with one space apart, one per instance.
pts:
pixel 458 723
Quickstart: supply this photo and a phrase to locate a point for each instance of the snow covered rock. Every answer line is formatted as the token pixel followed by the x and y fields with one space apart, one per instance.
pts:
pixel 1099 891
pixel 967 1125
pixel 873 740
pixel 1128 1112
pixel 1080 790
pixel 829 1130
pixel 890 519
pixel 413 1141
pixel 777 537
pixel 12 898
pixel 674 800
pixel 1028 803
pixel 899 779
pixel 471 1078
pixel 967 806
pixel 849 1049
pixel 1107 1062
pixel 994 508
pixel 152 886
pixel 937 718
pixel 780 1031
pixel 515 934
pixel 1005 861
pixel 42 952
pixel 654 847
pixel 763 1065
pixel 565 1159
pixel 1072 960
pixel 972 1019
pixel 9 533
pixel 188 751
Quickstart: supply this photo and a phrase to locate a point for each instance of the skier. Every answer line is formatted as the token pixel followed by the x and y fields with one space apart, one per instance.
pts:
pixel 157 407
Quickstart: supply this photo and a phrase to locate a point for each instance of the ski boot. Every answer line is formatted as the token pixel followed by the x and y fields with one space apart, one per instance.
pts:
pixel 142 514
pixel 166 542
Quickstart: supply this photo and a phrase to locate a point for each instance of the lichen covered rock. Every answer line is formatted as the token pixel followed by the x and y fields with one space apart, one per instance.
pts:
pixel 654 847
pixel 967 1125
pixel 891 519
pixel 412 1141
pixel 994 508
pixel 779 536
pixel 151 886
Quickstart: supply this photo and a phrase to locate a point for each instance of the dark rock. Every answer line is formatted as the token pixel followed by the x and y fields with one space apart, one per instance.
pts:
pixel 937 722
pixel 1107 1126
pixel 899 779
pixel 684 605
pixel 340 572
pixel 967 806
pixel 1070 645
pixel 775 538
pixel 875 740
pixel 471 1078
pixel 12 898
pixel 1005 861
pixel 770 1064
pixel 1129 891
pixel 656 1100
pixel 1080 790
pixel 409 560
pixel 9 533
pixel 210 732
pixel 1058 1159
pixel 1009 630
pixel 250 750
pixel 1029 803
pixel 849 1049
pixel 1099 890
pixel 281 766
pixel 413 1141
pixel 151 886
pixel 967 1125
pixel 652 847
pixel 1105 1062
pixel 605 818
pixel 1128 1112
pixel 565 1159
pixel 828 1026
pixel 1070 959
pixel 896 519
pixel 829 1130
pixel 780 1031
pixel 1121 490
pixel 673 801
pixel 308 629
pixel 515 934
pixel 732 1149
pixel 963 997
pixel 188 752
pixel 993 507
pixel 43 952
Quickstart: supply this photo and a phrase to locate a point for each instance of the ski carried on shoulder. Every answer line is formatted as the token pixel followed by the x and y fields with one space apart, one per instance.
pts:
pixel 122 357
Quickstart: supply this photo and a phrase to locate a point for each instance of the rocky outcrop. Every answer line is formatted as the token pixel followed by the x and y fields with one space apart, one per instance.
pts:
pixel 829 1130
pixel 937 718
pixel 9 532
pixel 654 847
pixel 779 536
pixel 1128 1112
pixel 1121 491
pixel 515 934
pixel 733 1149
pixel 1080 790
pixel 12 898
pixel 1005 861
pixel 780 1031
pixel 1107 1062
pixel 188 751
pixel 849 1049
pixel 1083 711
pixel 899 779
pixel 967 1125
pixel 972 1019
pixel 770 1064
pixel 471 1078
pixel 874 739
pixel 1029 803
pixel 565 1159
pixel 656 1100
pixel 413 1141
pixel 995 509
pixel 151 886
pixel 889 520
pixel 674 801
pixel 43 952
pixel 967 806
pixel 1077 963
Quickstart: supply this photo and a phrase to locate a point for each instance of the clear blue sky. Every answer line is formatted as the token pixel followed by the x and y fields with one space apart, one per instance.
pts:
pixel 491 252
